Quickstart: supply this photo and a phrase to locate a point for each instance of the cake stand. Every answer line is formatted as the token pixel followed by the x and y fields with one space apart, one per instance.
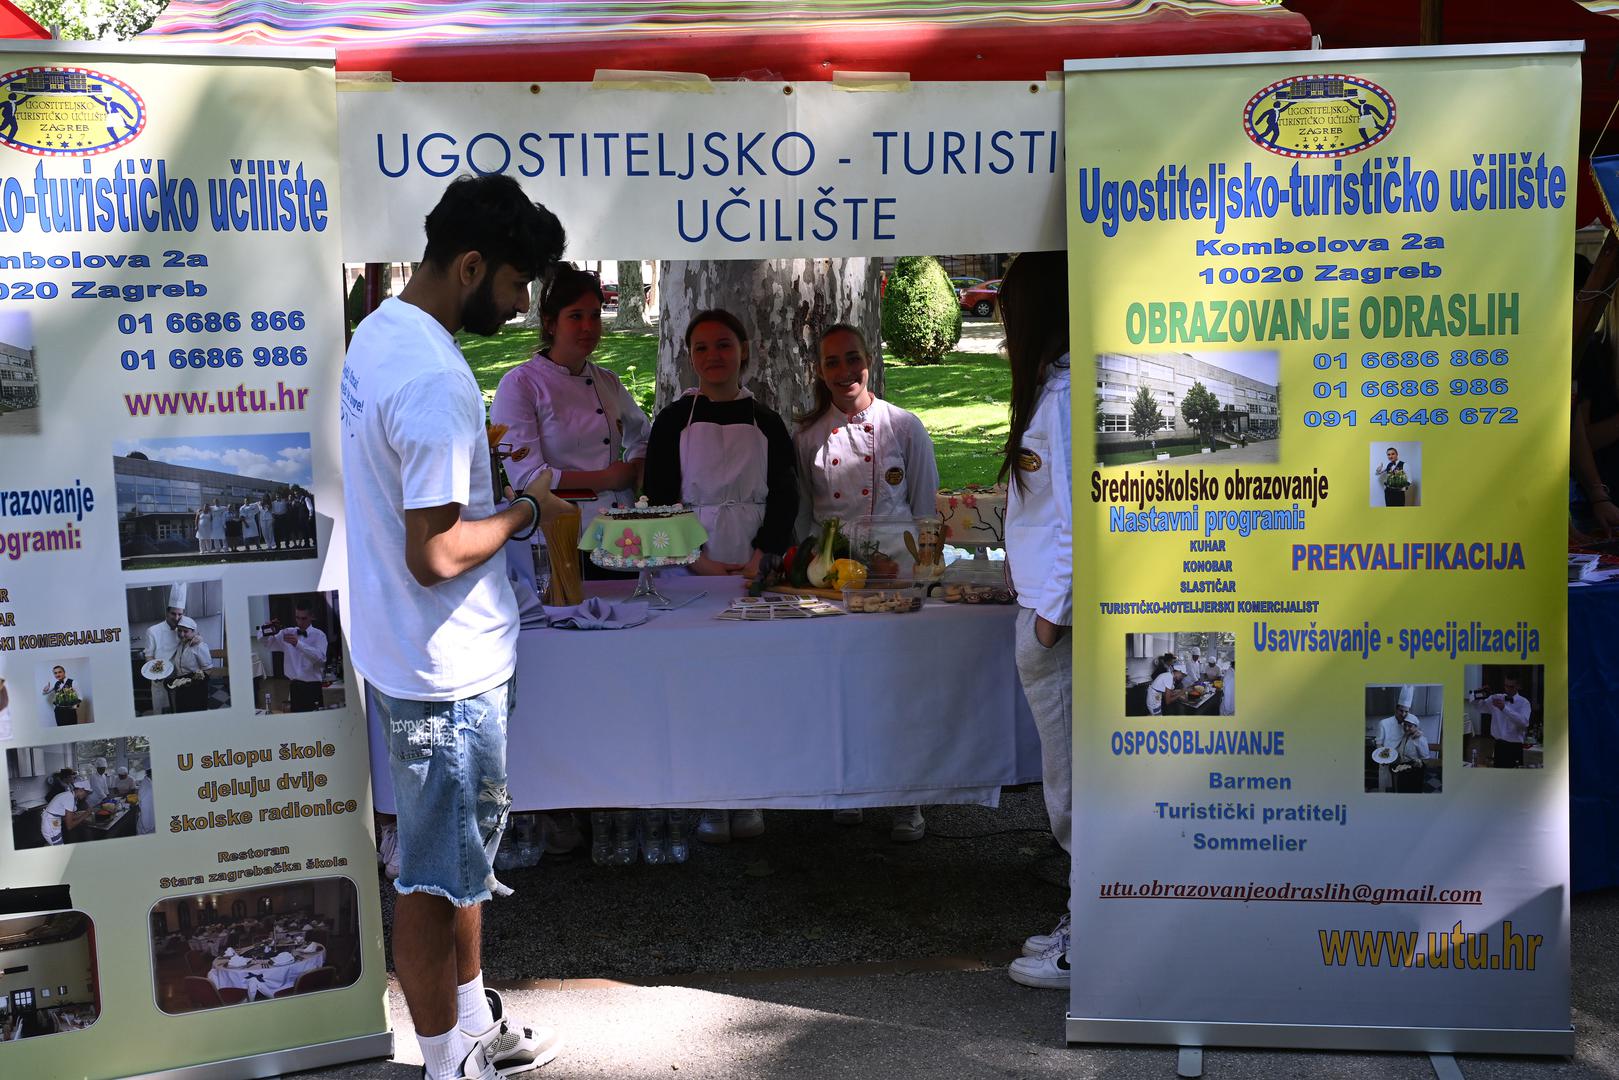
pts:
pixel 645 586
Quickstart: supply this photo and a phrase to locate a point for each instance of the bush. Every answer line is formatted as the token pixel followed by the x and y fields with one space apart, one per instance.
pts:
pixel 921 315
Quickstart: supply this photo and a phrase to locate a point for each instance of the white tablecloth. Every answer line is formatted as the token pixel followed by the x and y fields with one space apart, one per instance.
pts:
pixel 261 980
pixel 688 710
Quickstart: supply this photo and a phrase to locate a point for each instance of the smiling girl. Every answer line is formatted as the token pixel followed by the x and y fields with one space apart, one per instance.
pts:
pixel 724 455
pixel 858 455
pixel 574 416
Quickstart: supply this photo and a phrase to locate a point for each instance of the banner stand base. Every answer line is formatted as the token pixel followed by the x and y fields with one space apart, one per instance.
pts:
pixel 280 1062
pixel 1196 1035
pixel 1189 1062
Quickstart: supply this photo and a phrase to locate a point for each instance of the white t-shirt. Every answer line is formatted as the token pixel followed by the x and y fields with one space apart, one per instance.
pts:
pixel 414 437
pixel 1155 692
pixel 50 822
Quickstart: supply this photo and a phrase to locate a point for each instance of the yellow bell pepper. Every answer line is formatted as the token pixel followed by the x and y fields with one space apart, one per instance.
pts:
pixel 848 574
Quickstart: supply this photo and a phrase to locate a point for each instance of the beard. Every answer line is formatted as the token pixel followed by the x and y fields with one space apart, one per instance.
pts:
pixel 480 315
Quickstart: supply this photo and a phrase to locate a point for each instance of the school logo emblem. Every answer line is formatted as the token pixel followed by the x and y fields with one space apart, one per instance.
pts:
pixel 894 476
pixel 1319 116
pixel 67 112
pixel 1028 460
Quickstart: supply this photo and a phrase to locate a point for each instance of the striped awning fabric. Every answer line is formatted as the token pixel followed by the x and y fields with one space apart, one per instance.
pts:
pixel 335 23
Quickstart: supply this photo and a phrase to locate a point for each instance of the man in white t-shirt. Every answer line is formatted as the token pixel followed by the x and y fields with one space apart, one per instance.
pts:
pixel 434 632
pixel 65 812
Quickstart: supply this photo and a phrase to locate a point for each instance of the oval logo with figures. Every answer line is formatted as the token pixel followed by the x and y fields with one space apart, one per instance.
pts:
pixel 1319 116
pixel 67 112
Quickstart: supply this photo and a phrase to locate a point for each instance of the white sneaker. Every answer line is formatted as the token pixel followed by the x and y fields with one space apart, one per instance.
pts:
pixel 851 815
pixel 1035 944
pixel 714 827
pixel 908 825
pixel 475 1066
pixel 1048 971
pixel 746 824
pixel 514 1050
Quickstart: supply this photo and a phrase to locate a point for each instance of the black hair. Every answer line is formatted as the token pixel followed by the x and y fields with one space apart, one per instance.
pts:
pixel 564 286
pixel 823 397
pixel 492 216
pixel 1034 311
pixel 725 318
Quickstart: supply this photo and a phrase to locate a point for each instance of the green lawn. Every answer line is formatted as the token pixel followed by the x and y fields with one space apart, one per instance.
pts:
pixel 962 401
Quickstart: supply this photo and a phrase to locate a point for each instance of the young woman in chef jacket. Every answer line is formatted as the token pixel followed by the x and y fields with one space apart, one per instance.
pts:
pixel 859 456
pixel 1039 549
pixel 724 455
pixel 573 416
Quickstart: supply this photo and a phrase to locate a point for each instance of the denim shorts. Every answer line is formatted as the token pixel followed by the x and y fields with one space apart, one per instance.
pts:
pixel 448 763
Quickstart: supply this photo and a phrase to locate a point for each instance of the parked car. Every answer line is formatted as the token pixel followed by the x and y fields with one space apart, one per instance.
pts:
pixel 962 283
pixel 980 299
pixel 610 293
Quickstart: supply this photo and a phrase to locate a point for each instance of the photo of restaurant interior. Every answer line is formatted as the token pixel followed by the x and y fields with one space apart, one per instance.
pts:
pixel 48 982
pixel 272 941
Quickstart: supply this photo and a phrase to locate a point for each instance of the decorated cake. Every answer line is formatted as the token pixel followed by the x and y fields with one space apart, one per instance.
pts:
pixel 974 515
pixel 641 536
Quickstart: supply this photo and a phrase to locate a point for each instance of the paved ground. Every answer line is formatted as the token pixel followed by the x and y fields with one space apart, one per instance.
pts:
pixel 824 952
pixel 20 422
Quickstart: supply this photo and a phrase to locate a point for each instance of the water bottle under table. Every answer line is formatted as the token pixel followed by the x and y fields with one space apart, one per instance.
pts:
pixel 652 842
pixel 601 837
pixel 626 839
pixel 677 844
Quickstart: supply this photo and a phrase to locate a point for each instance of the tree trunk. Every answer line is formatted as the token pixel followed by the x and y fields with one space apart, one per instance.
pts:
pixel 785 304
pixel 631 303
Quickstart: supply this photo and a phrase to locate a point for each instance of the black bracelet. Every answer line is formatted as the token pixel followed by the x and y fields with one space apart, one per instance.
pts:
pixel 534 522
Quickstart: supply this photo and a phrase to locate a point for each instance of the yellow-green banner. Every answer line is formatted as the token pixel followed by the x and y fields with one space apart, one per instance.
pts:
pixel 1321 329
pixel 188 881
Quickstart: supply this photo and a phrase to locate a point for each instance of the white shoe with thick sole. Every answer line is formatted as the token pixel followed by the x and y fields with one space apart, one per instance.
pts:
pixel 908 825
pixel 1035 944
pixel 1048 971
pixel 512 1050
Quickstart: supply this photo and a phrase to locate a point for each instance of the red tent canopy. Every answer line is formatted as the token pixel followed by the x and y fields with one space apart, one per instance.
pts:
pixel 15 24
pixel 499 41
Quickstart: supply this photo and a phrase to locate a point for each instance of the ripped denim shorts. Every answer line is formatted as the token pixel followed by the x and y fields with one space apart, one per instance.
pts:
pixel 448 762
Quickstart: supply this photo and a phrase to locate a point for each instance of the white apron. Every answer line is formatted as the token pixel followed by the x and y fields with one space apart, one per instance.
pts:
pixel 724 477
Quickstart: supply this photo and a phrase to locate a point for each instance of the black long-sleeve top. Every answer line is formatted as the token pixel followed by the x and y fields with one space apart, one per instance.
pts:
pixel 661 482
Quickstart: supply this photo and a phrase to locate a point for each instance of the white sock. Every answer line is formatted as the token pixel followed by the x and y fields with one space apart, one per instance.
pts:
pixel 444 1053
pixel 472 1007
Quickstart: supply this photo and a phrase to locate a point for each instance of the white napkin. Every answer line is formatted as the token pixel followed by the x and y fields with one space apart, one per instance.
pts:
pixel 282 959
pixel 229 952
pixel 312 947
pixel 236 962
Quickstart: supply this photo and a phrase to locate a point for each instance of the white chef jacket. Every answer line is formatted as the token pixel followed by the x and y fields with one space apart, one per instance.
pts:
pixel 1390 731
pixel 1509 720
pixel 1414 748
pixel 50 821
pixel 98 785
pixel 161 642
pixel 250 520
pixel 305 659
pixel 578 423
pixel 873 463
pixel 1155 692
pixel 1039 515
pixel 197 656
pixel 146 823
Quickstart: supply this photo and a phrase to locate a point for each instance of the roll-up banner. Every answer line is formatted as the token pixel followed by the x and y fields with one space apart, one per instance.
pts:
pixel 188 884
pixel 1321 311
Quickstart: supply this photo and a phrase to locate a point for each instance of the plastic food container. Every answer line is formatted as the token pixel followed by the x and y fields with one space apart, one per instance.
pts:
pixel 895 600
pixel 971 581
pixel 897 548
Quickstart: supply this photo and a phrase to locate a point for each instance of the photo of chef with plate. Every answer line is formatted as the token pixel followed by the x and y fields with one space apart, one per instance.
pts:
pixel 177 648
pixel 1404 724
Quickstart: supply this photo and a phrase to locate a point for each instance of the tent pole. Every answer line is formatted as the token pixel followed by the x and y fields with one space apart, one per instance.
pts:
pixel 1432 17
